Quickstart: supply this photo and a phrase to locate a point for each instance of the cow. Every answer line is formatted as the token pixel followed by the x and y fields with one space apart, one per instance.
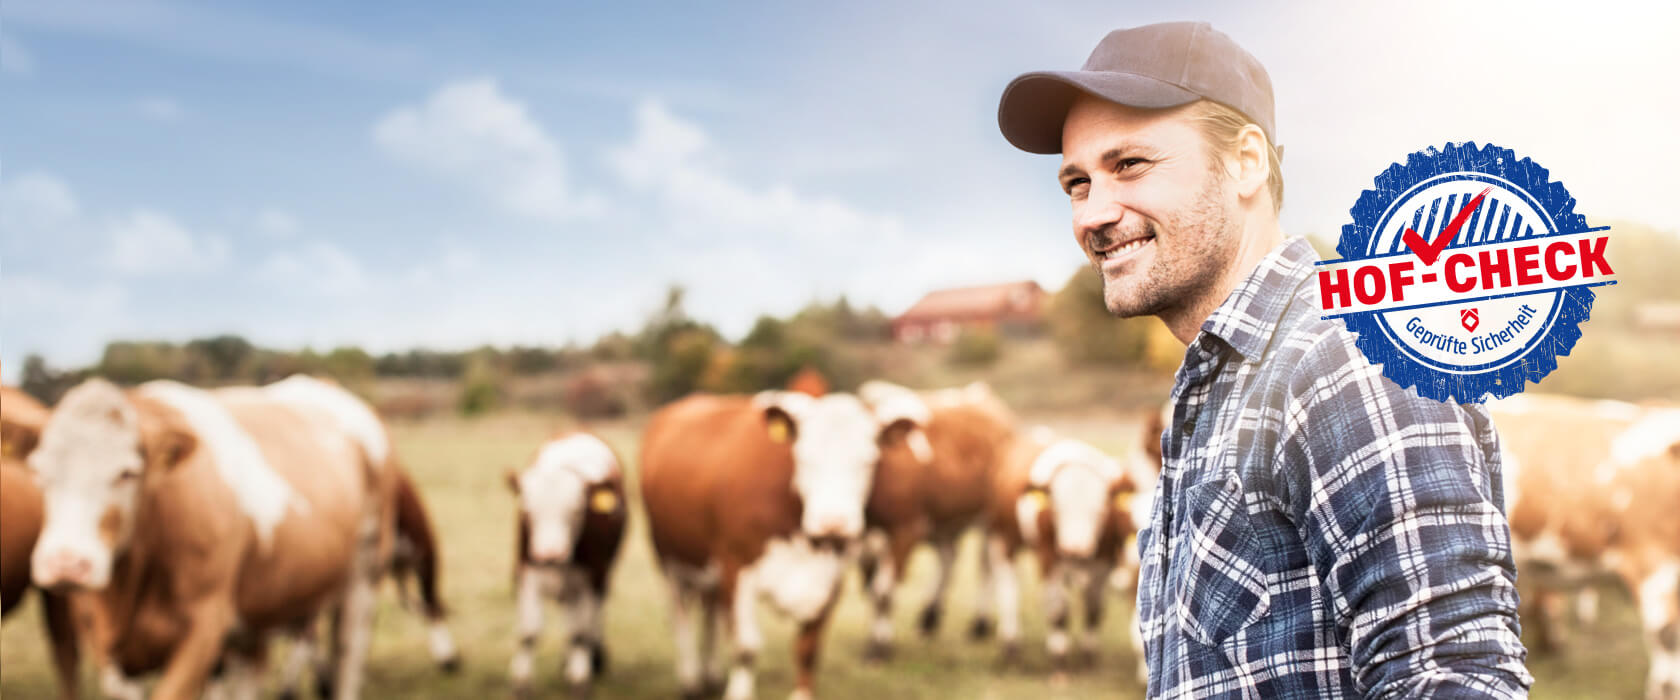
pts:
pixel 199 523
pixel 751 496
pixel 932 484
pixel 1590 490
pixel 1070 504
pixel 21 419
pixel 572 515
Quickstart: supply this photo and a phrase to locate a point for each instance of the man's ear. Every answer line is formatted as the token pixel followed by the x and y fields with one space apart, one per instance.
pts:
pixel 1250 161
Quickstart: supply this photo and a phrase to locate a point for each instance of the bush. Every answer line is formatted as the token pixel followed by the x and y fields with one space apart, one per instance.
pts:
pixel 975 346
pixel 588 395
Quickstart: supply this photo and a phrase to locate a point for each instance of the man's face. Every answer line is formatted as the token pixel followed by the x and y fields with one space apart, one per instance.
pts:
pixel 1152 209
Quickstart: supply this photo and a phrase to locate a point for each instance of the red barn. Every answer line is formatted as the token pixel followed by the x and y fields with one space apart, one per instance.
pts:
pixel 1012 308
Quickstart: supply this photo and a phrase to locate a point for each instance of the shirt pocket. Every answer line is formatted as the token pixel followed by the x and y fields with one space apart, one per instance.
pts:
pixel 1223 588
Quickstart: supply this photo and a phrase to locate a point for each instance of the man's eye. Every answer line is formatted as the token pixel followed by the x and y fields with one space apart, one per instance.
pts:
pixel 1128 162
pixel 1074 184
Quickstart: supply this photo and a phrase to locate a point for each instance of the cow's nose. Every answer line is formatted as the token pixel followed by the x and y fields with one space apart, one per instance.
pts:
pixel 833 526
pixel 64 568
pixel 549 558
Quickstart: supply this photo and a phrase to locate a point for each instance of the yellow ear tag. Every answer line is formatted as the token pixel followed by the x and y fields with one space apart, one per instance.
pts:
pixel 1123 501
pixel 603 501
pixel 778 430
pixel 1041 500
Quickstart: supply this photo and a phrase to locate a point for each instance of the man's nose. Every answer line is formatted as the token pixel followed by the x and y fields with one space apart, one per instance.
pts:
pixel 1097 213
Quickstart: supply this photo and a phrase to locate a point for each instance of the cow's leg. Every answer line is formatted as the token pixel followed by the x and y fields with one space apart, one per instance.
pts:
pixel 1586 604
pixel 985 605
pixel 740 588
pixel 1008 595
pixel 61 632
pixel 528 609
pixel 243 670
pixel 1658 594
pixel 586 638
pixel 880 573
pixel 355 620
pixel 208 622
pixel 114 685
pixel 442 644
pixel 304 653
pixel 1057 611
pixel 1095 595
pixel 713 619
pixel 934 610
pixel 806 648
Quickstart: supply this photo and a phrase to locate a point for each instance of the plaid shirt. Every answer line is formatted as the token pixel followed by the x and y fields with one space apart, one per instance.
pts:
pixel 1317 531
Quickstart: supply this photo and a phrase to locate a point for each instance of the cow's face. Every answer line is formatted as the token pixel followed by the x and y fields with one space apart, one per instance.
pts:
pixel 1079 485
pixel 556 493
pixel 93 455
pixel 836 444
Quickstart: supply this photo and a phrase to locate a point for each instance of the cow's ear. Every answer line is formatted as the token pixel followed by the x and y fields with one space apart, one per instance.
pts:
pixel 165 439
pixel 512 477
pixel 780 424
pixel 18 438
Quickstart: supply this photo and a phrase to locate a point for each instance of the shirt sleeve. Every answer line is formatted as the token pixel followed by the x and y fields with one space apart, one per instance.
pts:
pixel 1402 521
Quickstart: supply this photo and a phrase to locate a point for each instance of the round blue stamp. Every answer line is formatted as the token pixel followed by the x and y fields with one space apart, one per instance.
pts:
pixel 1465 272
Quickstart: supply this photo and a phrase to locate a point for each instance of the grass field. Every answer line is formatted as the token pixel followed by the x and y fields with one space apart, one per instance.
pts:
pixel 459 464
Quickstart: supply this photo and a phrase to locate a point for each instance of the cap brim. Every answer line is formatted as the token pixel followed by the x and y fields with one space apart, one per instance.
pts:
pixel 1034 105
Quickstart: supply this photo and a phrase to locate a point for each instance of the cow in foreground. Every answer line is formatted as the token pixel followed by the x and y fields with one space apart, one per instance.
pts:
pixel 572 515
pixel 200 523
pixel 932 485
pixel 21 419
pixel 1070 504
pixel 751 497
pixel 1591 490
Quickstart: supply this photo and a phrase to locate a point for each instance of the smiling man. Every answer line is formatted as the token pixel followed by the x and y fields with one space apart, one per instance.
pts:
pixel 1317 530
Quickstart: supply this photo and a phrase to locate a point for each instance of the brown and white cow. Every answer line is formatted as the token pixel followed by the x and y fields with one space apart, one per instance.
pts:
pixel 1591 488
pixel 202 522
pixel 933 483
pixel 751 497
pixel 1070 504
pixel 21 419
pixel 572 515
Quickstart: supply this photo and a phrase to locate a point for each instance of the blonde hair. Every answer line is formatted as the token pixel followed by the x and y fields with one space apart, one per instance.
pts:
pixel 1221 125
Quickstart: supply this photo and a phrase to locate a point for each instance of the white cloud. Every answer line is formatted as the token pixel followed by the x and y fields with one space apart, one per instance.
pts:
pixel 276 222
pixel 14 58
pixel 33 202
pixel 317 267
pixel 148 243
pixel 671 158
pixel 161 109
pixel 473 134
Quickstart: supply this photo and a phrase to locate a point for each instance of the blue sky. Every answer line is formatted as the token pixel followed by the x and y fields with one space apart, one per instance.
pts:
pixel 447 175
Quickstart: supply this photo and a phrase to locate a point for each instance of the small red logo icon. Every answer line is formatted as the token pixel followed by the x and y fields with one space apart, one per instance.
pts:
pixel 1470 319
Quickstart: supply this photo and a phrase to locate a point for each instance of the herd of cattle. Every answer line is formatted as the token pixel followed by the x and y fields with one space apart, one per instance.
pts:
pixel 177 531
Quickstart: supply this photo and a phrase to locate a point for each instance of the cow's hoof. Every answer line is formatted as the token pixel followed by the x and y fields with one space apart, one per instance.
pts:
pixel 928 623
pixel 1058 680
pixel 980 629
pixel 877 651
pixel 580 691
pixel 323 689
pixel 288 694
pixel 451 665
pixel 712 685
pixel 522 692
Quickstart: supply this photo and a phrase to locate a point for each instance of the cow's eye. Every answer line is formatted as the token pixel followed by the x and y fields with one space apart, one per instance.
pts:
pixel 128 476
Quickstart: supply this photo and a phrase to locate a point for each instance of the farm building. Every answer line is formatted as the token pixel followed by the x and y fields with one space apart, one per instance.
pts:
pixel 1015 308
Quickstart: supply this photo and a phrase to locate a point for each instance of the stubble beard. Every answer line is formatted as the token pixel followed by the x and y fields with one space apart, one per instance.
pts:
pixel 1192 249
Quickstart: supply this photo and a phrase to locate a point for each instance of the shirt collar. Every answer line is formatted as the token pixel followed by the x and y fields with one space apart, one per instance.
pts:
pixel 1249 317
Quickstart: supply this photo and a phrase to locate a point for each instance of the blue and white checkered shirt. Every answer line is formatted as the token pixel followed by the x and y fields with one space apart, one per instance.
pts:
pixel 1317 531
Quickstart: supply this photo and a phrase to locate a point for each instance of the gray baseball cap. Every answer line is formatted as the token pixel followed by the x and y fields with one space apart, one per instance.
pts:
pixel 1150 67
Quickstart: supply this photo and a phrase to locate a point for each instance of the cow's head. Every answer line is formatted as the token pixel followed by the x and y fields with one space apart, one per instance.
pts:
pixel 836 443
pixel 569 478
pixel 95 454
pixel 1080 487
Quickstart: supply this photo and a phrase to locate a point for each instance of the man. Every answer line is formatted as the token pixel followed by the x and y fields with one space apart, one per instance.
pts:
pixel 1317 531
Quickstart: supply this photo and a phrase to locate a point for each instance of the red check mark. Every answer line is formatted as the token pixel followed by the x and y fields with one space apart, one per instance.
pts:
pixel 1428 252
